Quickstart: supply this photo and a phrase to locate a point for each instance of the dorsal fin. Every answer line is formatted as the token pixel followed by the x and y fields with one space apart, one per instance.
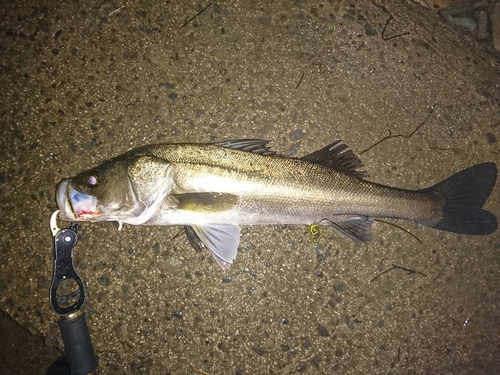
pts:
pixel 337 156
pixel 257 146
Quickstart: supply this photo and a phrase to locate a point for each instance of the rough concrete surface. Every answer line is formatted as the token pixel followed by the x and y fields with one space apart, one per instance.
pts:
pixel 81 82
pixel 22 352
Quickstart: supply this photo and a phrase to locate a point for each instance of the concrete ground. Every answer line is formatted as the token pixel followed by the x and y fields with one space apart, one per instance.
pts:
pixel 82 82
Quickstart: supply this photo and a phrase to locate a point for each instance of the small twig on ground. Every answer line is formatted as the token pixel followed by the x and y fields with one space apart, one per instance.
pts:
pixel 396 267
pixel 300 81
pixel 393 36
pixel 117 9
pixel 199 371
pixel 196 15
pixel 397 226
pixel 401 135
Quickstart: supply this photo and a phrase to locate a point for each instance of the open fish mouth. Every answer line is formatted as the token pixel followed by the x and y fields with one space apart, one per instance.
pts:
pixel 74 205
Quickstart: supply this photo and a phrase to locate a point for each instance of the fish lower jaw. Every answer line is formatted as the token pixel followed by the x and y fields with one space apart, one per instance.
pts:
pixel 84 211
pixel 66 215
pixel 86 215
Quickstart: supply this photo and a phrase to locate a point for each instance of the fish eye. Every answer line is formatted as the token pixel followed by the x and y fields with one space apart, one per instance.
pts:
pixel 93 178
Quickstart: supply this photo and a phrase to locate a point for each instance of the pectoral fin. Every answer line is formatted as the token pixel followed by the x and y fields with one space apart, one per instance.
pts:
pixel 205 202
pixel 221 239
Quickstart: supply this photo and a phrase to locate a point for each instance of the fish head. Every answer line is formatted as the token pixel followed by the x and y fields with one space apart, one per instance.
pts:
pixel 127 189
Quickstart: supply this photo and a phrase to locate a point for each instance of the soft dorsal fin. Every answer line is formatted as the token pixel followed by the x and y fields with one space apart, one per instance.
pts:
pixel 337 156
pixel 257 146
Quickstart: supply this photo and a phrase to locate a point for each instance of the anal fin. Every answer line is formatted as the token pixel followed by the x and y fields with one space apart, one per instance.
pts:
pixel 357 228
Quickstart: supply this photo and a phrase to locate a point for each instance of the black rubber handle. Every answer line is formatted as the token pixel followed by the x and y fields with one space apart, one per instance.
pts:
pixel 78 346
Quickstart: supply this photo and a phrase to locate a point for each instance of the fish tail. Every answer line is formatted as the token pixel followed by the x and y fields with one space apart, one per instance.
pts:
pixel 463 196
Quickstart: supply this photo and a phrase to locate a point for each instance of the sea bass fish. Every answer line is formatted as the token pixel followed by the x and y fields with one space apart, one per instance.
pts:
pixel 212 189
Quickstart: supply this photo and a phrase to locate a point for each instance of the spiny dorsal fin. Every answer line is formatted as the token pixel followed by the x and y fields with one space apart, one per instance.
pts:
pixel 336 156
pixel 257 146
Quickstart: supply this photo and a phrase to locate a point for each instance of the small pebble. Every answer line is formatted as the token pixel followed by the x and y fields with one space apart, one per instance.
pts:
pixel 322 331
pixel 178 314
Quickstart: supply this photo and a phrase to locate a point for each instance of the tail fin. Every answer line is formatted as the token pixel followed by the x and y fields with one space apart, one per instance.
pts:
pixel 463 196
